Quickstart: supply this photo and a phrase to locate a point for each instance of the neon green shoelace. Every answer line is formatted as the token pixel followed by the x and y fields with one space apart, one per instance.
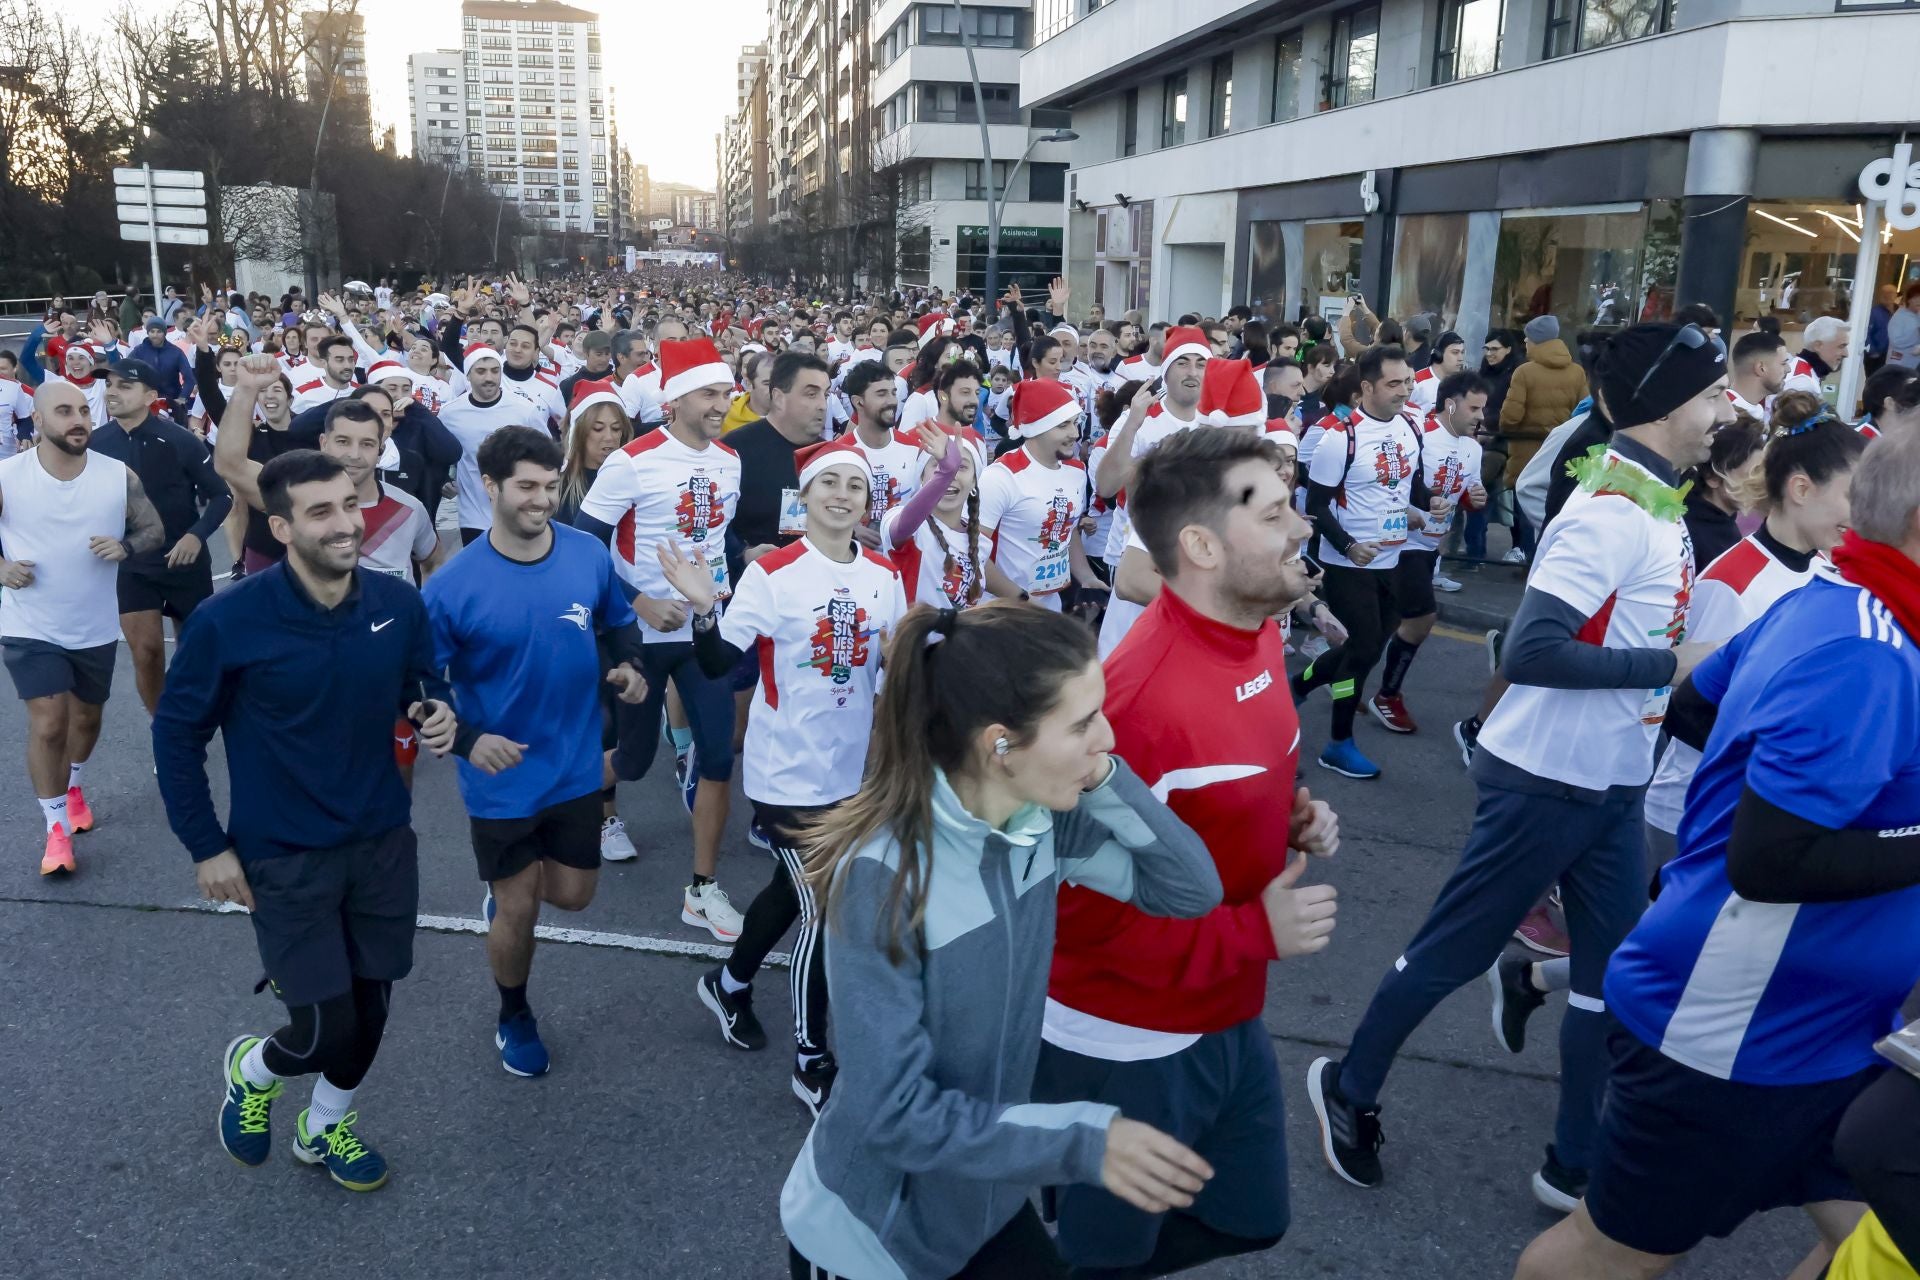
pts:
pixel 254 1105
pixel 343 1142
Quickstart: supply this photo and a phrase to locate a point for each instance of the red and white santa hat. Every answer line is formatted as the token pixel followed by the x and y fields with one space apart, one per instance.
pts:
pixel 587 394
pixel 690 364
pixel 1230 396
pixel 844 452
pixel 477 353
pixel 932 325
pixel 1185 340
pixel 1040 405
pixel 1280 431
pixel 387 367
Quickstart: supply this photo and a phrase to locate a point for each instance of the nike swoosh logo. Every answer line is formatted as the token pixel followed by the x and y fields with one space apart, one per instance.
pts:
pixel 378 625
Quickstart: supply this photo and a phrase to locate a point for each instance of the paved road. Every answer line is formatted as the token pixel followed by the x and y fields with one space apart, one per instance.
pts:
pixel 651 1151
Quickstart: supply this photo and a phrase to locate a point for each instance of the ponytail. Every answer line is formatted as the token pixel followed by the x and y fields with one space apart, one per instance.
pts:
pixel 950 674
pixel 1803 438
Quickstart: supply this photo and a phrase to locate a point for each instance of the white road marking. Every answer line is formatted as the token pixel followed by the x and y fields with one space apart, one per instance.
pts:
pixel 554 933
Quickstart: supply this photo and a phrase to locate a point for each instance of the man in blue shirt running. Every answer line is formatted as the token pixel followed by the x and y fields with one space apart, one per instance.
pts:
pixel 1787 933
pixel 515 618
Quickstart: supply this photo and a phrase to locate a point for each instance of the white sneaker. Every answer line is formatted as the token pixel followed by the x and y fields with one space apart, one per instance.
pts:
pixel 1514 556
pixel 706 907
pixel 615 846
pixel 1441 582
pixel 1313 646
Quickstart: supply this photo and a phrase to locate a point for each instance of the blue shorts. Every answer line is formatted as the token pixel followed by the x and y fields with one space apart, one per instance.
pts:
pixel 1220 1096
pixel 1682 1155
pixel 709 704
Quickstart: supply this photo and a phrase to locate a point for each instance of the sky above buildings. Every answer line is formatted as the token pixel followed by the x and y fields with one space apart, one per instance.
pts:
pixel 670 64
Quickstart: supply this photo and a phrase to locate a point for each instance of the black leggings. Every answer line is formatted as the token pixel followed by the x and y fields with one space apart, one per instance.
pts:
pixel 337 1038
pixel 1184 1242
pixel 1363 601
pixel 1879 1143
pixel 1021 1251
pixel 787 898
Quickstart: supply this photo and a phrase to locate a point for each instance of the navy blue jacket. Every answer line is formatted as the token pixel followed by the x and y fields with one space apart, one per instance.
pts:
pixel 306 699
pixel 176 371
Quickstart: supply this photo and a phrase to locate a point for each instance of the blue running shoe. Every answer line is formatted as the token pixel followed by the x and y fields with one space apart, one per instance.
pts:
pixel 1345 758
pixel 488 907
pixel 246 1113
pixel 684 775
pixel 758 837
pixel 521 1052
pixel 351 1163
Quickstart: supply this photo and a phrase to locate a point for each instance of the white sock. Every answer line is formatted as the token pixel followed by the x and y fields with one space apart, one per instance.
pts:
pixel 330 1103
pixel 730 984
pixel 253 1067
pixel 73 775
pixel 56 812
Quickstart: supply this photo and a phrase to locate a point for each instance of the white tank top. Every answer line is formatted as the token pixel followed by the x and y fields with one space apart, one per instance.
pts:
pixel 73 601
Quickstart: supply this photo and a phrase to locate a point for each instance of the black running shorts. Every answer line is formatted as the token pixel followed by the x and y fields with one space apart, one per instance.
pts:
pixel 41 669
pixel 176 593
pixel 567 833
pixel 327 916
pixel 1410 582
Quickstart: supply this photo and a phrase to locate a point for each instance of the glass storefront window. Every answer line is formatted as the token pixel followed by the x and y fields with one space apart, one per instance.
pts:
pixel 1266 271
pixel 1800 260
pixel 1581 266
pixel 1330 265
pixel 1429 266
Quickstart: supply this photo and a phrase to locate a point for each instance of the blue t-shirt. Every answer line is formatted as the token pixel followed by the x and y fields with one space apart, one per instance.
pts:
pixel 1820 715
pixel 517 642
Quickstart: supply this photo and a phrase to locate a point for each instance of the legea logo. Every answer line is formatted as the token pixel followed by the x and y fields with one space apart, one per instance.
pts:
pixel 1895 181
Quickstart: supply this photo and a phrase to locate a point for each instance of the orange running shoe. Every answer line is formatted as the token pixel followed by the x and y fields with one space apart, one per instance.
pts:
pixel 59 854
pixel 79 817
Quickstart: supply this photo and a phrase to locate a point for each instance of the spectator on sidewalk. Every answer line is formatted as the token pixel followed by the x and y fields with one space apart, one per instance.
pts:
pixel 1543 394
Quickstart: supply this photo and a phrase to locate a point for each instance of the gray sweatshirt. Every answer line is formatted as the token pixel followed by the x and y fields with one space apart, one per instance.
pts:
pixel 930 1143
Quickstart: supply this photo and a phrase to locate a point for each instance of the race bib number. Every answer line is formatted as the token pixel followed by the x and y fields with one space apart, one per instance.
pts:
pixel 1050 574
pixel 1653 709
pixel 717 566
pixel 1393 529
pixel 793 516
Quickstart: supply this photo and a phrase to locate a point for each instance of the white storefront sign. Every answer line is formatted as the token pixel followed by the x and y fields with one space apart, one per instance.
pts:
pixel 1895 182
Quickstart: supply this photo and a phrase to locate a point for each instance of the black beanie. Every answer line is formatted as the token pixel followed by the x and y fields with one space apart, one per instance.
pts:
pixel 1627 356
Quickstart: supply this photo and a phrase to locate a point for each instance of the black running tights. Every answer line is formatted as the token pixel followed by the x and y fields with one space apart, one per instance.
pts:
pixel 1021 1251
pixel 1184 1242
pixel 1879 1143
pixel 337 1038
pixel 787 898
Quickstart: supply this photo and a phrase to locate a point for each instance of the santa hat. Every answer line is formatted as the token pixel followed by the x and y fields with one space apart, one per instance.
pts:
pixel 844 452
pixel 588 394
pixel 931 326
pixel 380 370
pixel 1185 340
pixel 477 353
pixel 1230 396
pixel 1039 406
pixel 1064 330
pixel 1280 431
pixel 688 365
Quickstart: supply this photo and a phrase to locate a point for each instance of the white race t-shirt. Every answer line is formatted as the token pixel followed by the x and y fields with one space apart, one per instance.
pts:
pixel 1378 486
pixel 315 391
pixel 640 393
pixel 471 424
pixel 896 472
pixel 936 564
pixel 1631 576
pixel 1159 425
pixel 540 390
pixel 1449 463
pixel 399 534
pixel 16 403
pixel 819 628
pixel 659 488
pixel 1030 512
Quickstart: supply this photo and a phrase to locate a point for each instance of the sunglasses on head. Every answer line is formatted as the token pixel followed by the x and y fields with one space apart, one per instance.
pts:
pixel 1691 337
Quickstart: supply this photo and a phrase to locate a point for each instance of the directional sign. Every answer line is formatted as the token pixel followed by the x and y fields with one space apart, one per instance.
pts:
pixel 164 216
pixel 184 197
pixel 167 235
pixel 161 178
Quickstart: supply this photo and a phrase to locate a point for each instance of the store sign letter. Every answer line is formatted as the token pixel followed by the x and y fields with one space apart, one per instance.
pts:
pixel 1895 180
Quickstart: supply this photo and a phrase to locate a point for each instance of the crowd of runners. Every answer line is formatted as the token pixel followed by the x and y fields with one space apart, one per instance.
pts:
pixel 1008 614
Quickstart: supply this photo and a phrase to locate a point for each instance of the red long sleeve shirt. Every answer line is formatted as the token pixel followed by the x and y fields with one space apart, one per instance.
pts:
pixel 1201 712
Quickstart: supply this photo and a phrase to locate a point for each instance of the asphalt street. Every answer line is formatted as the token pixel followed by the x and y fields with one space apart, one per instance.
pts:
pixel 652 1150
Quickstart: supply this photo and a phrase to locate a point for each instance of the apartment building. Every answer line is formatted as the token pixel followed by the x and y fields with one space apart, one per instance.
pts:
pixel 537 119
pixel 436 99
pixel 336 64
pixel 1480 160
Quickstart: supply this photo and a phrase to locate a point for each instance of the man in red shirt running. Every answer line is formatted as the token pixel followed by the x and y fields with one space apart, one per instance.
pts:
pixel 1162 1017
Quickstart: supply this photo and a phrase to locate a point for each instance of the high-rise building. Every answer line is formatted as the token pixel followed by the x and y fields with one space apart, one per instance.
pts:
pixel 744 158
pixel 927 126
pixel 694 209
pixel 437 101
pixel 336 62
pixel 535 98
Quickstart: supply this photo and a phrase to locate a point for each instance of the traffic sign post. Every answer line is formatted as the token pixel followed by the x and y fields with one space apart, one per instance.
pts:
pixel 161 206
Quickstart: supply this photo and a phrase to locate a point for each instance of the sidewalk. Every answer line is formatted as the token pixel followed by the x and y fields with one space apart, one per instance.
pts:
pixel 1488 597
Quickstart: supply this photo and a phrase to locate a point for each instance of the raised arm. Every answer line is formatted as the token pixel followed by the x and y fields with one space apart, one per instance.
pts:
pixel 230 451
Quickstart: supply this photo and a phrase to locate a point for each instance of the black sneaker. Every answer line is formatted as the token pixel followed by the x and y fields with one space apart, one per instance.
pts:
pixel 1350 1136
pixel 1466 736
pixel 732 1010
pixel 1558 1187
pixel 814 1082
pixel 1514 1000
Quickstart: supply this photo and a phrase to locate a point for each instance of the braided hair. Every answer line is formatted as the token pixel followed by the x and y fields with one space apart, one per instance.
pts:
pixel 976 574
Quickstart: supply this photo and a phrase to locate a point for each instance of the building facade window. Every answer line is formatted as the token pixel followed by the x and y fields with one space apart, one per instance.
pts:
pixel 977 180
pixel 953 103
pixel 1173 110
pixel 1129 122
pixel 1468 42
pixel 986 28
pixel 1573 25
pixel 1047 183
pixel 1352 51
pixel 1289 62
pixel 1220 96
